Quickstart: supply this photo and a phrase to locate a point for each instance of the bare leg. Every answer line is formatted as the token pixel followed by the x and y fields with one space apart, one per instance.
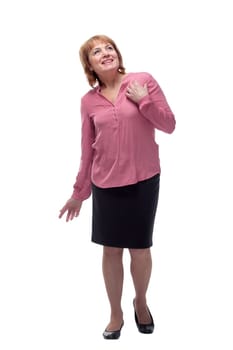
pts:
pixel 113 278
pixel 141 266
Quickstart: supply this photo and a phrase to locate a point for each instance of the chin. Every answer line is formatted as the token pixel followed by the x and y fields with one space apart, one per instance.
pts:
pixel 110 68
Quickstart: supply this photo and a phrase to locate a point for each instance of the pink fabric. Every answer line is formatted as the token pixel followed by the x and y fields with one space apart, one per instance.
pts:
pixel 118 140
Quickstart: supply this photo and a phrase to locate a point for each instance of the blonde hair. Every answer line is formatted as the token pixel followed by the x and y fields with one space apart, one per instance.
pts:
pixel 84 51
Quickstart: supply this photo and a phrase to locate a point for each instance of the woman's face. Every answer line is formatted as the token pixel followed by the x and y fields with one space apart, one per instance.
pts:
pixel 103 58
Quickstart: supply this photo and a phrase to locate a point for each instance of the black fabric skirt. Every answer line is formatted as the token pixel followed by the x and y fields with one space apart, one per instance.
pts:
pixel 124 216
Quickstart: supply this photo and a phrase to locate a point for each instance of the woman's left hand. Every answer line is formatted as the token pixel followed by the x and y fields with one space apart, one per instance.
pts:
pixel 135 91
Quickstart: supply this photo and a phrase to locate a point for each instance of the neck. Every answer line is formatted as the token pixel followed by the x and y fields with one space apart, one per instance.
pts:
pixel 111 79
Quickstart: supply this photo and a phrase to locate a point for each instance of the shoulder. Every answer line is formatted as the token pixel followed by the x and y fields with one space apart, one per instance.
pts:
pixel 88 95
pixel 141 76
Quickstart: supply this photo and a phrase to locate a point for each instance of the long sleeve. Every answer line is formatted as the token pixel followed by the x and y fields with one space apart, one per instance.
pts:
pixel 118 145
pixel 155 108
pixel 82 186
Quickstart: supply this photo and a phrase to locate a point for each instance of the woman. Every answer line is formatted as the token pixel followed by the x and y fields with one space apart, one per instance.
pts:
pixel 120 167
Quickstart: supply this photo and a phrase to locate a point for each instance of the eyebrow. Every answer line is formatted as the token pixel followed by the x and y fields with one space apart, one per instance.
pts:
pixel 98 47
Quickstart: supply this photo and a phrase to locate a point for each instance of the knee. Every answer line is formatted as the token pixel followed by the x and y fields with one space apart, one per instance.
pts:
pixel 140 254
pixel 113 252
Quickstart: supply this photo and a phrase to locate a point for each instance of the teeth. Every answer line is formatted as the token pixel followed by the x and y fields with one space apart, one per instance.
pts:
pixel 107 61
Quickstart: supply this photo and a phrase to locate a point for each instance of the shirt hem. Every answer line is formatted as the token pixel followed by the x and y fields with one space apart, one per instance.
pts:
pixel 129 182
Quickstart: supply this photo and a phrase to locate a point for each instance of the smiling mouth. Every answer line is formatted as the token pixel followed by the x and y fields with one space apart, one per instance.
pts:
pixel 107 61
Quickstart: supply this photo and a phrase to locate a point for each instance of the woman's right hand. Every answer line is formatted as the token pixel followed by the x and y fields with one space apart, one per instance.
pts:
pixel 72 207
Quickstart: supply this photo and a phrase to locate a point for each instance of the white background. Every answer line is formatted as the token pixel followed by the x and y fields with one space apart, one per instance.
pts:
pixel 52 294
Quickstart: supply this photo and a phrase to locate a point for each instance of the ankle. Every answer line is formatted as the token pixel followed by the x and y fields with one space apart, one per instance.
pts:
pixel 140 302
pixel 116 315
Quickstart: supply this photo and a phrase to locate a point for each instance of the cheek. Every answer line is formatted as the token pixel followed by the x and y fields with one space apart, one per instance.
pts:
pixel 117 58
pixel 93 59
pixel 92 64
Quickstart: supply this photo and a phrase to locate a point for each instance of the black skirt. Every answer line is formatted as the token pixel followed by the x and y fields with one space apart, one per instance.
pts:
pixel 124 216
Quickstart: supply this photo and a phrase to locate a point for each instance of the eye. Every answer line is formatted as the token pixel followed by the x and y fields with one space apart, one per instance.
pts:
pixel 96 51
pixel 110 47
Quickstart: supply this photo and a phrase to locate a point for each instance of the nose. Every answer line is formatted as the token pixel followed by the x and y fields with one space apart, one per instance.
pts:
pixel 105 52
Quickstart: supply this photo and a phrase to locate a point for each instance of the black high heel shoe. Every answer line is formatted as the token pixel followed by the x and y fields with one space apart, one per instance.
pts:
pixel 113 334
pixel 146 328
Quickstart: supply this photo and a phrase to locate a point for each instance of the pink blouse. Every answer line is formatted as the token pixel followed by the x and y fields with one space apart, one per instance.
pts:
pixel 118 144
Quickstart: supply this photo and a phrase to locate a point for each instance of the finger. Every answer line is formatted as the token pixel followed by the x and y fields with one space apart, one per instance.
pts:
pixel 135 84
pixel 62 211
pixel 77 212
pixel 128 89
pixel 68 216
pixel 72 215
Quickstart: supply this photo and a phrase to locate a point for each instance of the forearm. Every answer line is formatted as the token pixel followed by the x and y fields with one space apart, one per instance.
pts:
pixel 82 185
pixel 158 113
